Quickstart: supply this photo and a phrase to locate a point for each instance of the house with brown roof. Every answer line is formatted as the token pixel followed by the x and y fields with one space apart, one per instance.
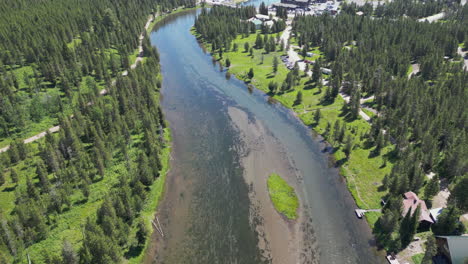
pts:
pixel 411 201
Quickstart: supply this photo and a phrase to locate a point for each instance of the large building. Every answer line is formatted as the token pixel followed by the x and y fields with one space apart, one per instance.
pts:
pixel 453 248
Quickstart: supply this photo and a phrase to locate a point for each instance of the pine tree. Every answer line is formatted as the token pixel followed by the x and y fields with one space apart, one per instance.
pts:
pixel 336 130
pixel 405 229
pixel 142 232
pixel 431 250
pixel 386 182
pixel 317 116
pixel 298 100
pixel 342 133
pixel 272 86
pixel 448 222
pixel 316 72
pixel 258 42
pixel 354 103
pixel 41 172
pixel 275 64
pixel 2 177
pixel 379 144
pixel 304 51
pixel 348 146
pixel 459 196
pixel 31 189
pixel 251 73
pixel 69 255
pixel 14 175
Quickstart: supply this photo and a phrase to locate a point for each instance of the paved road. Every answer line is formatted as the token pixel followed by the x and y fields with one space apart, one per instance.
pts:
pixel 102 92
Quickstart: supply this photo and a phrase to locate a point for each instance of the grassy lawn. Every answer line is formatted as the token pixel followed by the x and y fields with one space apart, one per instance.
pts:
pixel 363 170
pixel 75 42
pixel 369 113
pixel 410 70
pixel 417 259
pixel 283 196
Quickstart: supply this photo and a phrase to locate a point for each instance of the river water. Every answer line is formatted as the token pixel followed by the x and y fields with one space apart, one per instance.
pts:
pixel 207 210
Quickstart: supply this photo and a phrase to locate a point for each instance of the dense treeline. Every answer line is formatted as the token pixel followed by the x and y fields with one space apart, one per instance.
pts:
pixel 55 58
pixel 398 8
pixel 126 127
pixel 48 47
pixel 424 115
pixel 222 24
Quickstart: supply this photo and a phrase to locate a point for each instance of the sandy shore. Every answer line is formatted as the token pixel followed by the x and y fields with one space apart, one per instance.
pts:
pixel 281 240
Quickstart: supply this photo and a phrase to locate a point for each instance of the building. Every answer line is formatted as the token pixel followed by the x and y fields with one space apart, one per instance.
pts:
pixel 258 23
pixel 411 201
pixel 262 17
pixel 434 213
pixel 453 248
pixel 268 23
pixel 298 3
pixel 283 5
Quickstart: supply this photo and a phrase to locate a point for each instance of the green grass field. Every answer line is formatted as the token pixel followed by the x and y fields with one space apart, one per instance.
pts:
pixel 283 196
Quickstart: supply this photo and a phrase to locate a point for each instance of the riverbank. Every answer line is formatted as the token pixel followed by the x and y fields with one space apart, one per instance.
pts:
pixel 362 169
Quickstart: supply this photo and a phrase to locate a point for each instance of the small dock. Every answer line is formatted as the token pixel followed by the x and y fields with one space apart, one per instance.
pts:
pixel 392 259
pixel 360 212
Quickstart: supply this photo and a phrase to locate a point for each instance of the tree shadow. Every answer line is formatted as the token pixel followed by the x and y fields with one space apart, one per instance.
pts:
pixel 80 202
pixel 327 102
pixel 340 162
pixel 374 153
pixel 367 144
pixel 381 188
pixel 10 189
pixel 391 156
pixel 308 87
pixel 133 252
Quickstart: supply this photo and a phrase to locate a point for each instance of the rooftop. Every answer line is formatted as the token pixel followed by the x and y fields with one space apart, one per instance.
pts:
pixel 412 202
pixel 284 5
pixel 457 246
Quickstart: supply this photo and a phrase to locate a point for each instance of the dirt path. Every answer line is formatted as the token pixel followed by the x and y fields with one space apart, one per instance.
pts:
pixel 347 98
pixel 415 69
pixel 102 92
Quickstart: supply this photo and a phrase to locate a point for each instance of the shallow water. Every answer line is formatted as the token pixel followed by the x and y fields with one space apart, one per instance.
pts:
pixel 205 213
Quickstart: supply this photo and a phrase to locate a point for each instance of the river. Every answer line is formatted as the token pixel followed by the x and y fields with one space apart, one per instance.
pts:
pixel 226 141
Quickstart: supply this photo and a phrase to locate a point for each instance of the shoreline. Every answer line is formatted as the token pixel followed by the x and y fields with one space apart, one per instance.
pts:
pixel 329 147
